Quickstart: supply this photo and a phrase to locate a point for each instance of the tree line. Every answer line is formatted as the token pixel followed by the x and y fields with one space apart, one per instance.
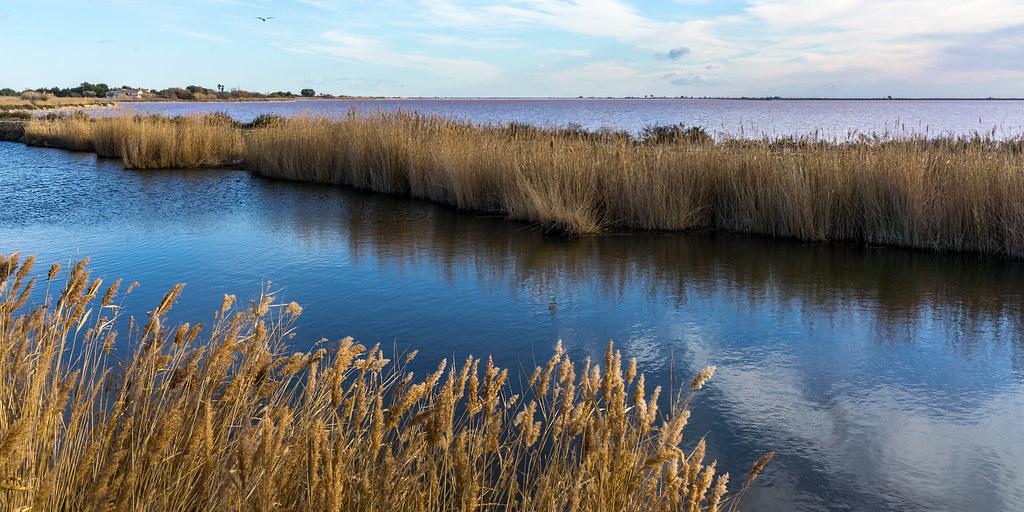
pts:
pixel 189 93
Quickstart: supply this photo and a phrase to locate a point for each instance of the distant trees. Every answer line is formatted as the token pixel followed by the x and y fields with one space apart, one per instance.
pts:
pixel 86 89
pixel 177 93
pixel 187 93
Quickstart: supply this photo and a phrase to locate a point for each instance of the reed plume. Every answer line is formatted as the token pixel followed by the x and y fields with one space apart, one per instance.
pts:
pixel 223 418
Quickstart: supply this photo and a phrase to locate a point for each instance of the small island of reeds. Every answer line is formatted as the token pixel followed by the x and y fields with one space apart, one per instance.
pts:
pixel 945 193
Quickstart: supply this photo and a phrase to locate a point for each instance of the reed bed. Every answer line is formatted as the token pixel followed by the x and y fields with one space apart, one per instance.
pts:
pixel 143 142
pixel 223 418
pixel 43 101
pixel 947 194
pixel 963 194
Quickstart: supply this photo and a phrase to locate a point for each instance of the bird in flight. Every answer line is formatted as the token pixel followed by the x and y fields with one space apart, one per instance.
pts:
pixel 264 18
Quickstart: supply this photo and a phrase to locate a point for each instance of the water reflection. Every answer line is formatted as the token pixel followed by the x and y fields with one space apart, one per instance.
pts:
pixel 884 379
pixel 898 291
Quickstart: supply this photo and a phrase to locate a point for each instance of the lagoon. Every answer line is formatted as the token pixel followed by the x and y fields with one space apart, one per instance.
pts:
pixel 884 379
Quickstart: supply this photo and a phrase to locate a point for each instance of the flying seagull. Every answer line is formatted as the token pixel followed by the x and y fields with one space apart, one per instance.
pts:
pixel 264 19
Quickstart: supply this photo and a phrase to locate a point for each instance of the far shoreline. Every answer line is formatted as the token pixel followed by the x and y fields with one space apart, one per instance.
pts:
pixel 534 98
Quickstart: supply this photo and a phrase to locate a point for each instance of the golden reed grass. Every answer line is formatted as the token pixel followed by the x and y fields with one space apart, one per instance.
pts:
pixel 222 418
pixel 143 142
pixel 32 100
pixel 948 194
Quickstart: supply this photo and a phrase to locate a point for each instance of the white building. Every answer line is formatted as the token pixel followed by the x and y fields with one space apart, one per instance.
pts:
pixel 126 93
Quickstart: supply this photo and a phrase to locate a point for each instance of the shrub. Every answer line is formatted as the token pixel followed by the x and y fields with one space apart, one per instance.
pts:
pixel 35 96
pixel 307 93
pixel 674 134
pixel 264 120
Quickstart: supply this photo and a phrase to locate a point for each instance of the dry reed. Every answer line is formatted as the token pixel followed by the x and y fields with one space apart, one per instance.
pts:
pixel 947 194
pixel 223 419
pixel 143 142
pixel 37 100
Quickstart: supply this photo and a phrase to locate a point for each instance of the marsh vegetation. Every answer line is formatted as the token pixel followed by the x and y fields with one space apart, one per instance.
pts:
pixel 947 194
pixel 31 100
pixel 102 412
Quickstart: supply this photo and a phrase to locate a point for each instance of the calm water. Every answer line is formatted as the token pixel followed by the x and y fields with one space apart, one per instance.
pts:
pixel 884 379
pixel 828 118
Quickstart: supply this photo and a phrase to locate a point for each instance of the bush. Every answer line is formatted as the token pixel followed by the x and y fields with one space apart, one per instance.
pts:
pixel 674 134
pixel 35 96
pixel 7 91
pixel 307 93
pixel 177 93
pixel 264 120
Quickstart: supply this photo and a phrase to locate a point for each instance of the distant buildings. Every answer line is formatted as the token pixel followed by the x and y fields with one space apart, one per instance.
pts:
pixel 126 92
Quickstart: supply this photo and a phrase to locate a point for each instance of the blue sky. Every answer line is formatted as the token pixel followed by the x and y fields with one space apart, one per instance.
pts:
pixel 524 47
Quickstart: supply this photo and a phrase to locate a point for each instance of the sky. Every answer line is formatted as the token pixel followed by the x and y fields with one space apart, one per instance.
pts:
pixel 556 48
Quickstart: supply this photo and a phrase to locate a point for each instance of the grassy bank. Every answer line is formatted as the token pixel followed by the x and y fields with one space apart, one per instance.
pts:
pixel 950 194
pixel 48 102
pixel 222 418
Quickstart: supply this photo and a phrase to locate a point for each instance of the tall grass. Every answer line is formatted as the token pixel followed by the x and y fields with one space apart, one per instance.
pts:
pixel 946 194
pixel 956 194
pixel 143 142
pixel 222 418
pixel 32 100
pixel 74 133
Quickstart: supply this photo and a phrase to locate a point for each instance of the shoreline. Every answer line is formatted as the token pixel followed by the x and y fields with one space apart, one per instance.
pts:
pixel 8 108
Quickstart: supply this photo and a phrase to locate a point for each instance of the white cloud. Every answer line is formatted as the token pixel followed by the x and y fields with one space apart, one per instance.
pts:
pixel 613 19
pixel 472 43
pixel 371 51
pixel 782 44
pixel 899 18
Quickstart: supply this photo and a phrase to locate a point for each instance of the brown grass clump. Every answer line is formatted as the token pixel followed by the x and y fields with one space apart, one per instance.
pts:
pixel 33 100
pixel 522 173
pixel 222 418
pixel 143 142
pixel 73 132
pixel 158 142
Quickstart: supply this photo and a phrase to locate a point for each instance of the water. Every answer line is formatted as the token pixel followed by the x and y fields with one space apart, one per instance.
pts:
pixel 884 379
pixel 827 118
